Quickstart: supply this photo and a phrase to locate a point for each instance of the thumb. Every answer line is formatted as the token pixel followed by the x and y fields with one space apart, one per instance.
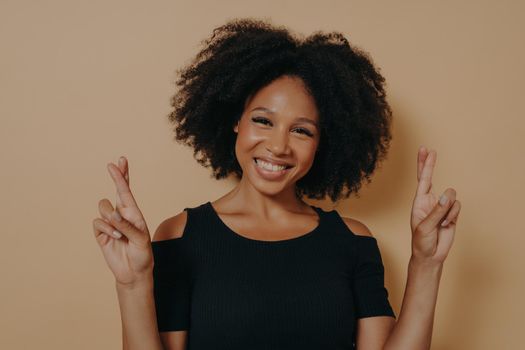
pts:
pixel 125 227
pixel 439 211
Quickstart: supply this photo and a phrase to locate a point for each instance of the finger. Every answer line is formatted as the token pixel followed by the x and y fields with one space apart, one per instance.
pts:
pixel 439 211
pixel 425 180
pixel 127 228
pixel 102 227
pixel 105 208
pixel 122 166
pixel 123 190
pixel 111 217
pixel 448 232
pixel 114 218
pixel 421 156
pixel 101 238
pixel 452 214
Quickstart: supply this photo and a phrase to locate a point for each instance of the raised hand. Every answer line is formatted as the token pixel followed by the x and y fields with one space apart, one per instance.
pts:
pixel 122 233
pixel 433 220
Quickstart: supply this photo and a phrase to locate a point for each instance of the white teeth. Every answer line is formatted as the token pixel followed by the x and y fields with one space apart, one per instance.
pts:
pixel 269 166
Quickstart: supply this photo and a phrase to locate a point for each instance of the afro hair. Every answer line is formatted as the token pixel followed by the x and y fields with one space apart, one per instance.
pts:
pixel 244 55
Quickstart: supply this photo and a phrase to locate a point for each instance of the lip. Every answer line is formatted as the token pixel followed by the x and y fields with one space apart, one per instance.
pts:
pixel 274 161
pixel 268 174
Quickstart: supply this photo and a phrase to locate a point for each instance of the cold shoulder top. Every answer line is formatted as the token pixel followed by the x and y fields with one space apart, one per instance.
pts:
pixel 233 292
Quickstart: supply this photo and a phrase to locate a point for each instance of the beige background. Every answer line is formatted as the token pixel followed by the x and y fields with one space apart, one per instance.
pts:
pixel 83 82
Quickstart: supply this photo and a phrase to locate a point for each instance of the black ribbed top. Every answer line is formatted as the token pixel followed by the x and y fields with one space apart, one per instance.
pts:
pixel 233 292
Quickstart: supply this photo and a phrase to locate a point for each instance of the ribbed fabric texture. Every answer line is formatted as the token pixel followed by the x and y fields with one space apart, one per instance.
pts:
pixel 232 292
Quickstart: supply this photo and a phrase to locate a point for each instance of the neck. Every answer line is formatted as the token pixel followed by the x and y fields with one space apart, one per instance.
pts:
pixel 244 197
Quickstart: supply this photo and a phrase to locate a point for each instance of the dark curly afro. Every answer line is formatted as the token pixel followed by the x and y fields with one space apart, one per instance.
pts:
pixel 247 54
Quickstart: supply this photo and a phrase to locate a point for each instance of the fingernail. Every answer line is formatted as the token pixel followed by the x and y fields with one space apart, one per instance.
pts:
pixel 443 199
pixel 444 223
pixel 117 234
pixel 116 216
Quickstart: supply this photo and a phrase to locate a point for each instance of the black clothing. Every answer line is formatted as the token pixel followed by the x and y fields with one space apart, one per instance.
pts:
pixel 233 292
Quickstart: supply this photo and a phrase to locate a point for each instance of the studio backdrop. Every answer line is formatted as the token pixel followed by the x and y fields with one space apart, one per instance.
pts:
pixel 84 82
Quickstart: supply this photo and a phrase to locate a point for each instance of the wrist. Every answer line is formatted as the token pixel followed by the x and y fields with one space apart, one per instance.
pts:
pixel 143 283
pixel 424 267
pixel 425 263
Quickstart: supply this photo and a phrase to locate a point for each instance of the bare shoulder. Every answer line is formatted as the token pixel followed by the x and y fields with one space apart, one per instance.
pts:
pixel 172 227
pixel 357 227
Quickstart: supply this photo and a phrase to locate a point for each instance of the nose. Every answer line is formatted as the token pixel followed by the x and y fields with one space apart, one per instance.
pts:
pixel 278 142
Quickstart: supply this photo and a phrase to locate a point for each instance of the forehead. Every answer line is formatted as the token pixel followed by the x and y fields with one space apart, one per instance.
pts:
pixel 286 96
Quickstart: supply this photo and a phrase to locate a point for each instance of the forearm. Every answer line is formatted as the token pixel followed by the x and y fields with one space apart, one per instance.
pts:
pixel 124 339
pixel 139 322
pixel 413 329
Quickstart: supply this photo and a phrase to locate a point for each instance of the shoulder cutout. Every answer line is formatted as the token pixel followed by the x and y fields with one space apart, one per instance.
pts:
pixel 357 227
pixel 171 228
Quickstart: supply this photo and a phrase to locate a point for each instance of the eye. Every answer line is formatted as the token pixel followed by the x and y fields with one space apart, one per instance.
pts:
pixel 266 121
pixel 304 131
pixel 261 120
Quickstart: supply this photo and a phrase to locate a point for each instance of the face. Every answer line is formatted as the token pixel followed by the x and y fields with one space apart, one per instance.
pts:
pixel 277 136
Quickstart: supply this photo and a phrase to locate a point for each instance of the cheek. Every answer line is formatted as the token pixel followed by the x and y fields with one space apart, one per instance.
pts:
pixel 247 140
pixel 250 136
pixel 307 154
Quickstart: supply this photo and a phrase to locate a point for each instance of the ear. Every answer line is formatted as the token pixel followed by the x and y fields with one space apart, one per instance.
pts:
pixel 236 127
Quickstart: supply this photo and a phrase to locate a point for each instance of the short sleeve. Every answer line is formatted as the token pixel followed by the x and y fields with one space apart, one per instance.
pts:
pixel 171 283
pixel 370 294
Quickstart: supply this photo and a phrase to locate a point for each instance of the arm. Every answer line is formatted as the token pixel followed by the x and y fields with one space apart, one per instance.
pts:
pixel 139 323
pixel 125 345
pixel 125 242
pixel 433 224
pixel 413 329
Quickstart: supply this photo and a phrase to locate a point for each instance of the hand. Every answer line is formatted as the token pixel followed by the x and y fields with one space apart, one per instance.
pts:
pixel 433 224
pixel 129 256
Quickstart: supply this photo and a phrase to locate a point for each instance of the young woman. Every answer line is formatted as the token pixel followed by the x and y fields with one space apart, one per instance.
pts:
pixel 258 268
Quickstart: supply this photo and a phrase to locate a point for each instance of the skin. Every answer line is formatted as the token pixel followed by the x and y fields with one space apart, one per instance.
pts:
pixel 278 135
pixel 274 212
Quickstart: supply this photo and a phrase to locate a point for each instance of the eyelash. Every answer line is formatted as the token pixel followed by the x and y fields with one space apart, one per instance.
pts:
pixel 303 130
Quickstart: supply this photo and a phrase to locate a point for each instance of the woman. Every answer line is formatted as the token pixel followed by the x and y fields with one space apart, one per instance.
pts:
pixel 259 268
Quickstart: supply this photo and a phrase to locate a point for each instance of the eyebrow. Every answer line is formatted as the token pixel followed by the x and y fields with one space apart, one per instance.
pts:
pixel 301 119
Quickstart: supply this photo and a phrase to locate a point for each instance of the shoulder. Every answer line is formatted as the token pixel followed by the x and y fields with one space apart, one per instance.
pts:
pixel 357 227
pixel 172 227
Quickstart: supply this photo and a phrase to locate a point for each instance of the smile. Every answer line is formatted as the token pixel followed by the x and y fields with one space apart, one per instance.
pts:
pixel 270 166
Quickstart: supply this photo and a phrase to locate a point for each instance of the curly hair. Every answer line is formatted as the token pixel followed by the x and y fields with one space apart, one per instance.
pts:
pixel 244 55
